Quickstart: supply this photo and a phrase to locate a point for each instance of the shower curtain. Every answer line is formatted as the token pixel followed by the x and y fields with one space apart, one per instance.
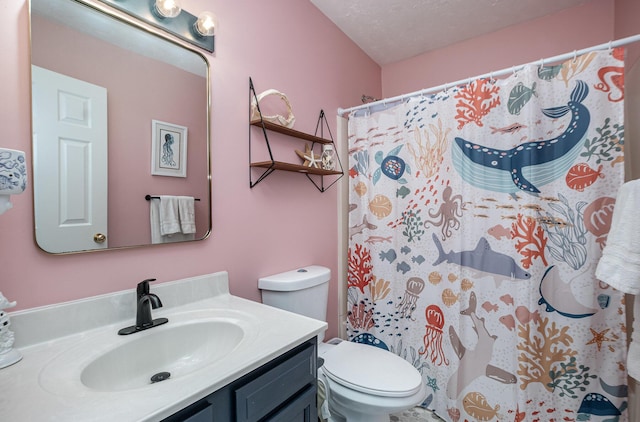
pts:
pixel 477 216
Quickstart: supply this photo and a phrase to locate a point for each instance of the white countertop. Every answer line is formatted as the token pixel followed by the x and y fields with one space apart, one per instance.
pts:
pixel 34 389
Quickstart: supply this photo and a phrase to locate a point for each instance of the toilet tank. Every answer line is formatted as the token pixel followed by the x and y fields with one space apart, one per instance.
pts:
pixel 303 291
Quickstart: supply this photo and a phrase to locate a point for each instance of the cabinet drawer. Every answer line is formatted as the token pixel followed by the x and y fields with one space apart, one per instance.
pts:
pixel 262 395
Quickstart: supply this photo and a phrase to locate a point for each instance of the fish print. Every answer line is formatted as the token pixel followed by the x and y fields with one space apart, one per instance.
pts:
pixel 359 228
pixel 417 259
pixel 581 176
pixel 483 259
pixel 377 239
pixel 389 255
pixel 524 315
pixel 403 267
pixel 489 307
pixel 514 128
pixel 405 250
pixel 553 221
pixel 529 165
pixel 508 321
pixel 507 299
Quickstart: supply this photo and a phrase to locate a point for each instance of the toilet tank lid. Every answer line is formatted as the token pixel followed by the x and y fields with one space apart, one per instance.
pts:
pixel 299 279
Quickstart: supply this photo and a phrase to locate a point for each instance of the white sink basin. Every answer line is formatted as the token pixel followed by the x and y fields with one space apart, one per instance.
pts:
pixel 174 352
pixel 108 362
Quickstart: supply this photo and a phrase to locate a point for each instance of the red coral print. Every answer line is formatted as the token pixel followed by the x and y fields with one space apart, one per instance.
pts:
pixel 360 317
pixel 360 268
pixel 533 241
pixel 476 101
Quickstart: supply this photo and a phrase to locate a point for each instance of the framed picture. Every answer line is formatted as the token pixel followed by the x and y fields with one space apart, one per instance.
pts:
pixel 168 149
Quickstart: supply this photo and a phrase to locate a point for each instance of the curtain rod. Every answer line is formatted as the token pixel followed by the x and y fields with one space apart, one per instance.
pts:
pixel 561 57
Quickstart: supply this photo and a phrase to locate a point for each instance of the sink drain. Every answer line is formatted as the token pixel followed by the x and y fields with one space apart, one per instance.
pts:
pixel 160 376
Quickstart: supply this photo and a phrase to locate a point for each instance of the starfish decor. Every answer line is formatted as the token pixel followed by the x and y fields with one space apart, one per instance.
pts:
pixel 309 157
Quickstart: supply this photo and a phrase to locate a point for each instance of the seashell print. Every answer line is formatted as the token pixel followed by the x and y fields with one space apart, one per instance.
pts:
pixel 361 189
pixel 452 277
pixel 581 176
pixel 475 404
pixel 380 206
pixel 435 278
pixel 449 298
pixel 466 284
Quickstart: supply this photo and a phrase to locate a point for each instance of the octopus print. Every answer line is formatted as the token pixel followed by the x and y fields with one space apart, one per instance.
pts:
pixel 448 214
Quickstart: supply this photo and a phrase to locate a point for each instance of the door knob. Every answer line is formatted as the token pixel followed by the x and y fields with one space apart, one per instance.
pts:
pixel 99 238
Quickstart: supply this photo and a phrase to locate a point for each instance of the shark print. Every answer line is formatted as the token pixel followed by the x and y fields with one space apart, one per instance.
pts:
pixel 484 260
pixel 529 165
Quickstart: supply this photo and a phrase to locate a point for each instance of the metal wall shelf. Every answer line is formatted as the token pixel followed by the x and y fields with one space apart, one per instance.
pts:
pixel 272 165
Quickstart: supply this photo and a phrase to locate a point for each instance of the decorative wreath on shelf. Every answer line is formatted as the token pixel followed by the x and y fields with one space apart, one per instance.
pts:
pixel 277 119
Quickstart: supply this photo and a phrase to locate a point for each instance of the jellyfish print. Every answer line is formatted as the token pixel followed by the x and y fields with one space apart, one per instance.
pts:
pixel 408 303
pixel 167 150
pixel 433 336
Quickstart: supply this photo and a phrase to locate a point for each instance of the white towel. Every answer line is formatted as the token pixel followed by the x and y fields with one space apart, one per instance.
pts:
pixel 186 209
pixel 169 215
pixel 156 236
pixel 633 357
pixel 619 265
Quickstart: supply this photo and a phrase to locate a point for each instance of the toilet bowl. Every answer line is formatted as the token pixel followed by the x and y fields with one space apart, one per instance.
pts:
pixel 362 382
pixel 365 383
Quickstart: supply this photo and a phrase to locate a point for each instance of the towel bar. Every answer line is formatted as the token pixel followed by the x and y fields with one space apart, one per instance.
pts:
pixel 149 198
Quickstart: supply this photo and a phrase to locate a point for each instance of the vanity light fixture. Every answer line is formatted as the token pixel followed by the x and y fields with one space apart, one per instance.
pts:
pixel 168 15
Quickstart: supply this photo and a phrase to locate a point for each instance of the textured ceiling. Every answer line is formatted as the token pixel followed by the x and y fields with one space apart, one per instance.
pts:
pixel 393 30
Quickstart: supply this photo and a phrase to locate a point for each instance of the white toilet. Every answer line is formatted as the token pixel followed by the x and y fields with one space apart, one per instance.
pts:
pixel 364 383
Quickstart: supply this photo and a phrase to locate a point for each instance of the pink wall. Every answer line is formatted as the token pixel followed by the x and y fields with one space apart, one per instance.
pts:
pixel 125 75
pixel 281 224
pixel 572 29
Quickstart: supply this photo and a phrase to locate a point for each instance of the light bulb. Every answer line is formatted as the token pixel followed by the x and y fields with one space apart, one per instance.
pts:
pixel 206 24
pixel 168 8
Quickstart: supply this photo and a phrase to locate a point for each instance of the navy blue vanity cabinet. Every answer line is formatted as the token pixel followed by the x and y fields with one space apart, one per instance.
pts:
pixel 282 390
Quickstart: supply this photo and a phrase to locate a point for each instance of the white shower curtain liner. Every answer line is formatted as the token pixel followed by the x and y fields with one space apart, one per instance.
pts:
pixel 389 101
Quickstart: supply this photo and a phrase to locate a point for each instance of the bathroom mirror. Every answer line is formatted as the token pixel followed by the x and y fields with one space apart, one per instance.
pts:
pixel 120 112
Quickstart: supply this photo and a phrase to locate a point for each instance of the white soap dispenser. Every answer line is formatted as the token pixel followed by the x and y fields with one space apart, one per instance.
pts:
pixel 13 176
pixel 8 355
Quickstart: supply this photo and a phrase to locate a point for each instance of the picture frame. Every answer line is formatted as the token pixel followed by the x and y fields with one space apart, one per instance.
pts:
pixel 168 149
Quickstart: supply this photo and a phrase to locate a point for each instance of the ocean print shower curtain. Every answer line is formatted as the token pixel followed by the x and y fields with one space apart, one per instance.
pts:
pixel 477 218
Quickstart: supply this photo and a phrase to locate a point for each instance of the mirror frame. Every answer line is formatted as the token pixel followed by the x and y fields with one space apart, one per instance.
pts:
pixel 138 24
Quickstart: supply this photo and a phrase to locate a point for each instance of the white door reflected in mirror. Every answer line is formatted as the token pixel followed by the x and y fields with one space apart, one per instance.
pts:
pixel 70 161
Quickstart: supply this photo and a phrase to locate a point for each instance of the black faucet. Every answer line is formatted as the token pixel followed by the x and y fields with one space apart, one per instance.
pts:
pixel 145 302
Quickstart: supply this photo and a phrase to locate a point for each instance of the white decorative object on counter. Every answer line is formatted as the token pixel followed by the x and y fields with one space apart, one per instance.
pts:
pixel 13 176
pixel 8 355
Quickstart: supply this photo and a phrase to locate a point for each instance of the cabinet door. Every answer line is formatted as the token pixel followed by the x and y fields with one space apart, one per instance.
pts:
pixel 266 393
pixel 301 409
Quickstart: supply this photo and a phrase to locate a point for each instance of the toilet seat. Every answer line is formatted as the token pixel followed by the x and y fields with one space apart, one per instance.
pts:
pixel 371 370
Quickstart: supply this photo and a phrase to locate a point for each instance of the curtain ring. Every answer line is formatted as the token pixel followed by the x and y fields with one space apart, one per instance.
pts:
pixel 575 55
pixel 541 63
pixel 610 46
pixel 515 72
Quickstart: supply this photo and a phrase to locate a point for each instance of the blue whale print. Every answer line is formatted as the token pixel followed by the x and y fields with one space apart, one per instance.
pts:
pixel 531 164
